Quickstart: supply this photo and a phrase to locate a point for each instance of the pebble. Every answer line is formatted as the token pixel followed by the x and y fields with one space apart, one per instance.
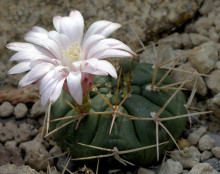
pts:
pixel 217 65
pixel 214 163
pixel 194 137
pixel 204 60
pixel 198 39
pixel 6 109
pixel 216 152
pixel 213 81
pixel 38 110
pixel 171 166
pixel 13 169
pixel 214 105
pixel 207 6
pixel 36 154
pixel 206 155
pixel 145 171
pixel 56 150
pixel 202 168
pixel 188 157
pixel 181 76
pixel 206 143
pixel 20 111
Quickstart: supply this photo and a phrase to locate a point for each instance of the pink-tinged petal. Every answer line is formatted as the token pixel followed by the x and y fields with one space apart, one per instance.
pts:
pixel 72 29
pixel 19 46
pixel 61 40
pixel 96 28
pixel 77 65
pixel 110 29
pixel 113 53
pixel 49 77
pixel 57 90
pixel 37 72
pixel 56 23
pixel 20 68
pixel 77 17
pixel 97 49
pixel 48 93
pixel 116 44
pixel 92 40
pixel 100 67
pixel 74 86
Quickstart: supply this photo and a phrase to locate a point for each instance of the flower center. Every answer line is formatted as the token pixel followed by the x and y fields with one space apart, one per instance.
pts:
pixel 73 52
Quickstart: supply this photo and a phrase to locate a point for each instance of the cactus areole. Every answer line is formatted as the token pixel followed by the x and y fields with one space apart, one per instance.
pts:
pixel 126 133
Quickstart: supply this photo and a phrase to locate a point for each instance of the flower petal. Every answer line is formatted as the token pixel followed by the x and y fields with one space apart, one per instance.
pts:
pixel 104 28
pixel 100 67
pixel 56 22
pixel 57 90
pixel 72 29
pixel 113 53
pixel 20 68
pixel 77 17
pixel 97 49
pixel 19 46
pixel 74 86
pixel 37 72
pixel 92 40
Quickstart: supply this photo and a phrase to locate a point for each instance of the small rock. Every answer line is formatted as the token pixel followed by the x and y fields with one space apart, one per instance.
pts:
pixel 213 35
pixel 207 6
pixel 181 76
pixel 187 157
pixel 24 132
pixel 13 169
pixel 38 110
pixel 7 131
pixel 185 172
pixel 174 40
pixel 206 155
pixel 204 23
pixel 6 109
pixel 206 143
pixel 36 154
pixel 171 166
pixel 183 143
pixel 216 137
pixel 56 150
pixel 213 81
pixel 20 111
pixel 205 59
pixel 217 65
pixel 145 171
pixel 198 39
pixel 202 168
pixel 214 163
pixel 216 152
pixel 10 145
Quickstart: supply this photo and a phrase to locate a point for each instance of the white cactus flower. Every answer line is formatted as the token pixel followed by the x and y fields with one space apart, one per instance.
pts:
pixel 64 58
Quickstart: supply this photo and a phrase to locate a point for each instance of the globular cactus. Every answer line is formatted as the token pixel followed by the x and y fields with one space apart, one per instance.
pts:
pixel 128 128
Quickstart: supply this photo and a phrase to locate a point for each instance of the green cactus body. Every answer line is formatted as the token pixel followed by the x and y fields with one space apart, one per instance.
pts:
pixel 126 133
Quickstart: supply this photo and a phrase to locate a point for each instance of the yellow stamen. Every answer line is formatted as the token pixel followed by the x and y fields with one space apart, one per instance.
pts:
pixel 73 52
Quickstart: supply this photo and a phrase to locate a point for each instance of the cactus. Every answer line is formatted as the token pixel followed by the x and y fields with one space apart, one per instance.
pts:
pixel 132 126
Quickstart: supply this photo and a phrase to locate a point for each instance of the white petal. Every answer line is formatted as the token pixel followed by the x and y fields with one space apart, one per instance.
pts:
pixel 19 46
pixel 37 72
pixel 96 28
pixel 87 44
pixel 74 86
pixel 57 90
pixel 116 44
pixel 56 23
pixel 77 17
pixel 48 93
pixel 113 53
pixel 97 49
pixel 110 29
pixel 100 67
pixel 104 28
pixel 20 68
pixel 72 29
